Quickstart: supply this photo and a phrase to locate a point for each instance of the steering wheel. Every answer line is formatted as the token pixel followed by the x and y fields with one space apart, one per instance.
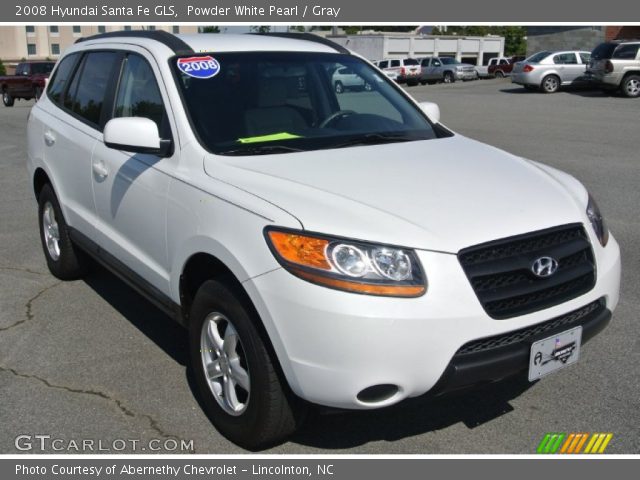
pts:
pixel 334 115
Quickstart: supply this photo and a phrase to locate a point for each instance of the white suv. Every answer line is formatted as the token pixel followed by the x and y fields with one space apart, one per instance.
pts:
pixel 337 249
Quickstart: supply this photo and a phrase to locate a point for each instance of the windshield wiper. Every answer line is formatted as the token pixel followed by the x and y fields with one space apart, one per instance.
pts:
pixel 374 139
pixel 261 150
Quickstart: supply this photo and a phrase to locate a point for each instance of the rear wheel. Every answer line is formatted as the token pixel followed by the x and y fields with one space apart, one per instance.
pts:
pixel 7 99
pixel 499 74
pixel 631 86
pixel 64 259
pixel 550 84
pixel 241 390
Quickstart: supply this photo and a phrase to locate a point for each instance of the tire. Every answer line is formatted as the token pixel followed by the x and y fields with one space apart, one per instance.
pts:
pixel 256 417
pixel 550 84
pixel 423 82
pixel 64 259
pixel 339 88
pixel 630 86
pixel 7 99
pixel 499 74
pixel 448 77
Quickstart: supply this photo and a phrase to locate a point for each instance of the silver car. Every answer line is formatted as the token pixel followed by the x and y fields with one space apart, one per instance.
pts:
pixel 616 65
pixel 548 71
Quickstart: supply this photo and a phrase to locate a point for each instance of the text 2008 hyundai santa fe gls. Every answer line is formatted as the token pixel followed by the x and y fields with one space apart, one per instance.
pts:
pixel 342 249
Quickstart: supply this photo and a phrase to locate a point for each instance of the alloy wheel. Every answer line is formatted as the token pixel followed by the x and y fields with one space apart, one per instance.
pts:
pixel 224 363
pixel 51 231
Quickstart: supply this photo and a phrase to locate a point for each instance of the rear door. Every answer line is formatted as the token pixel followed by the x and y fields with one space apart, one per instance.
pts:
pixel 130 189
pixel 73 119
pixel 569 67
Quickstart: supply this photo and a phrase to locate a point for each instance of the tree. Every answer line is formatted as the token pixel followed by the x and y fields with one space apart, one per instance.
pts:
pixel 297 28
pixel 3 70
pixel 210 29
pixel 261 28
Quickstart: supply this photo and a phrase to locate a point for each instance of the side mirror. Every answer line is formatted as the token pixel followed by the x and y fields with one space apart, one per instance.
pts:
pixel 432 110
pixel 135 134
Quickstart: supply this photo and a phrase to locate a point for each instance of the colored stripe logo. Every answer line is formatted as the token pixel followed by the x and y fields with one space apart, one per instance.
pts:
pixel 574 443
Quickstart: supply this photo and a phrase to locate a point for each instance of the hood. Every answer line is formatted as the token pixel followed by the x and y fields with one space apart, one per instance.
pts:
pixel 440 195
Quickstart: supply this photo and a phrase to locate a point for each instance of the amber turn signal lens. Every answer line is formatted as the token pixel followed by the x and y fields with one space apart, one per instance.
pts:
pixel 367 288
pixel 300 249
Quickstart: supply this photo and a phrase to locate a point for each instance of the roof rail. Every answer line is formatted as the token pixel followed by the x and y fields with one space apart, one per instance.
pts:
pixel 174 43
pixel 309 37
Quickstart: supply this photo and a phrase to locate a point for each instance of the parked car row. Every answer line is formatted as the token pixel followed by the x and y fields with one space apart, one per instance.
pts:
pixel 611 66
pixel 413 71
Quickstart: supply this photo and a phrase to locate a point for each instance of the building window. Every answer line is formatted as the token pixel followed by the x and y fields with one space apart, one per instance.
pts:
pixel 31 49
pixel 151 28
pixel 127 28
pixel 53 29
pixel 30 28
pixel 102 29
pixel 176 29
pixel 77 29
pixel 55 49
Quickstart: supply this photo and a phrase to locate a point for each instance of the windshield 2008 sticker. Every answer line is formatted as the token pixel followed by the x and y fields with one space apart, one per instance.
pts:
pixel 199 67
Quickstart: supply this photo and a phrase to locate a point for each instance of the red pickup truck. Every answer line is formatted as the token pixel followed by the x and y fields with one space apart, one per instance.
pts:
pixel 27 83
pixel 502 66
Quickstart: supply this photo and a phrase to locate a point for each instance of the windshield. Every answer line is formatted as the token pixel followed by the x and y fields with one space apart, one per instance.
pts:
pixel 240 103
pixel 449 61
pixel 537 57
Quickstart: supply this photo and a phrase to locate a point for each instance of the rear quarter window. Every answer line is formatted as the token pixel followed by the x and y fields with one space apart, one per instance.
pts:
pixel 626 52
pixel 61 76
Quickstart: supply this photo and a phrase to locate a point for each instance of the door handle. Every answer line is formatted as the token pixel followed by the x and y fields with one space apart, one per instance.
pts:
pixel 49 138
pixel 100 170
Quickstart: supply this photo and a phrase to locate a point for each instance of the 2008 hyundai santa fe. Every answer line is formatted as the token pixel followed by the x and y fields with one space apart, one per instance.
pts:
pixel 342 249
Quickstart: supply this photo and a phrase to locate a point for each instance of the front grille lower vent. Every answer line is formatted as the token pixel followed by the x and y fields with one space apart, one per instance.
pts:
pixel 500 271
pixel 528 334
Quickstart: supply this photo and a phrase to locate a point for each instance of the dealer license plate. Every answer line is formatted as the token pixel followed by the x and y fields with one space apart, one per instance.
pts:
pixel 553 353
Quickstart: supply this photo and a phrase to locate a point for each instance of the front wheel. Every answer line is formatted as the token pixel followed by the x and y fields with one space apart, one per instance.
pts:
pixel 448 77
pixel 7 99
pixel 631 86
pixel 237 379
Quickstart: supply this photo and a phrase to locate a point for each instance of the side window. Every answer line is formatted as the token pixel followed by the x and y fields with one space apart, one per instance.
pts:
pixel 436 63
pixel 384 64
pixel 395 63
pixel 585 57
pixel 138 93
pixel 22 69
pixel 60 77
pixel 88 89
pixel 626 52
pixel 504 62
pixel 565 59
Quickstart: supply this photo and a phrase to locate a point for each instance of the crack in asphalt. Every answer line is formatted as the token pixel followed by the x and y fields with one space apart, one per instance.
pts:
pixel 25 270
pixel 28 306
pixel 96 393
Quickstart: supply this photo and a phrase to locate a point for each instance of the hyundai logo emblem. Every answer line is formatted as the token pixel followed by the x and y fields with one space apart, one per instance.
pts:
pixel 544 267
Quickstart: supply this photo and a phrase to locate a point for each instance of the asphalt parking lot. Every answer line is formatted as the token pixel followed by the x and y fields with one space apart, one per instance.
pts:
pixel 91 360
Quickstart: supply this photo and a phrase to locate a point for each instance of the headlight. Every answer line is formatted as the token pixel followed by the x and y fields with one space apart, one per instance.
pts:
pixel 349 265
pixel 459 69
pixel 597 222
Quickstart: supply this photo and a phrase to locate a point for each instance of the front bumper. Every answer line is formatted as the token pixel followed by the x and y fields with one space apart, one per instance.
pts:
pixel 333 345
pixel 470 75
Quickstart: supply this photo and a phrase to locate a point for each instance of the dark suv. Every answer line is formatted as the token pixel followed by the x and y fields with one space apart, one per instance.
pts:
pixel 616 66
